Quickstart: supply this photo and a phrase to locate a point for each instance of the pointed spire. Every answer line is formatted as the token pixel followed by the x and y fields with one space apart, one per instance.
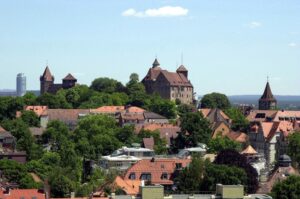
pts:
pixel 47 76
pixel 155 63
pixel 267 93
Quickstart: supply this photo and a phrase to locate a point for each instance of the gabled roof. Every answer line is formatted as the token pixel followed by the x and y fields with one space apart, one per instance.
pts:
pixel 267 95
pixel 175 79
pixel 47 76
pixel 22 193
pixel 181 69
pixel 249 151
pixel 69 77
pixel 157 167
pixel 38 110
pixel 130 187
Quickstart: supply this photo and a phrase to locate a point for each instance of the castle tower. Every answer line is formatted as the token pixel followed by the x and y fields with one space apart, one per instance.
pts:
pixel 267 100
pixel 182 70
pixel 69 81
pixel 46 80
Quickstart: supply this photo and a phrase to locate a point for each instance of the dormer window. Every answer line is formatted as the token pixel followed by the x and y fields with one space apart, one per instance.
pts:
pixel 132 176
pixel 164 176
pixel 145 176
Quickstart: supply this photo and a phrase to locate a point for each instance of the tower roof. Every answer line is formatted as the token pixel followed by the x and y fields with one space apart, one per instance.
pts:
pixel 47 76
pixel 155 63
pixel 181 69
pixel 69 77
pixel 268 95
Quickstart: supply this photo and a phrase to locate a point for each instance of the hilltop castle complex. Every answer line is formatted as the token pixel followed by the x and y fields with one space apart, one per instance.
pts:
pixel 169 85
pixel 48 86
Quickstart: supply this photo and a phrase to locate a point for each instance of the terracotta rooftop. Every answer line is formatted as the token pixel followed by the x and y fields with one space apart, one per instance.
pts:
pixel 22 194
pixel 175 79
pixel 269 129
pixel 130 187
pixel 160 170
pixel 39 110
pixel 108 109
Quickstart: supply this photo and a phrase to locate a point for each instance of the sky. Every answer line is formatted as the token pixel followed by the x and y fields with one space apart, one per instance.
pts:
pixel 228 46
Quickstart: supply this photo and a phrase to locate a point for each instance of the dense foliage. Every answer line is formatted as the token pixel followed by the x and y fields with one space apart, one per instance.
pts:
pixel 233 158
pixel 294 148
pixel 287 189
pixel 215 100
pixel 221 143
pixel 195 129
pixel 202 176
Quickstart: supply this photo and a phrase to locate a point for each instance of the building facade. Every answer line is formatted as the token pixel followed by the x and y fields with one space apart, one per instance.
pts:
pixel 267 100
pixel 48 86
pixel 21 84
pixel 169 85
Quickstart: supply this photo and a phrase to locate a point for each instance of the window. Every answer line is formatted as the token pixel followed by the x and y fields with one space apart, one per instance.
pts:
pixel 164 176
pixel 178 165
pixel 260 115
pixel 145 176
pixel 132 176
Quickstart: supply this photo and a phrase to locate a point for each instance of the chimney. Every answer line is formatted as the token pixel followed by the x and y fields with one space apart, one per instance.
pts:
pixel 72 195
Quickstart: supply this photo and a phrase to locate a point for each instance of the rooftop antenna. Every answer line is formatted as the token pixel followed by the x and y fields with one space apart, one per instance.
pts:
pixel 182 58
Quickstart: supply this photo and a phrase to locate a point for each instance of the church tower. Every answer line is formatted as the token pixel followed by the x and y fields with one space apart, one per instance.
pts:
pixel 46 80
pixel 267 100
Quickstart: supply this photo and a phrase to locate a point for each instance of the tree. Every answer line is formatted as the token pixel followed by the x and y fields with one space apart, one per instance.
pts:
pixel 239 121
pixel 161 106
pixel 53 101
pixel 185 108
pixel 107 85
pixel 189 180
pixel 233 158
pixel 9 106
pixel 294 148
pixel 13 171
pixel 160 144
pixel 30 118
pixel 215 100
pixel 61 185
pixel 195 129
pixel 222 174
pixel 220 143
pixel 287 189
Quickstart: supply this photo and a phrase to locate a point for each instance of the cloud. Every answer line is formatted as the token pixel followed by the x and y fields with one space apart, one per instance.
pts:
pixel 166 11
pixel 254 24
pixel 292 45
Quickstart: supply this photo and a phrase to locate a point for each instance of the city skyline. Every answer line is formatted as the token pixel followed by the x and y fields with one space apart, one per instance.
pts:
pixel 227 47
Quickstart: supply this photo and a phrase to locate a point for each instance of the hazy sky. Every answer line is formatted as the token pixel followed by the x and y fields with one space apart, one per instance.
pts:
pixel 228 46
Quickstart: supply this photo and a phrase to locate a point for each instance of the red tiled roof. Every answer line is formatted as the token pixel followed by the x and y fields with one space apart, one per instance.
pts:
pixel 109 109
pixel 65 115
pixel 22 193
pixel 131 187
pixel 156 168
pixel 181 69
pixel 39 110
pixel 175 79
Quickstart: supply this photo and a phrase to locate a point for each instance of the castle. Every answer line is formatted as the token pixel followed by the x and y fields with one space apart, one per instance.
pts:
pixel 48 86
pixel 169 85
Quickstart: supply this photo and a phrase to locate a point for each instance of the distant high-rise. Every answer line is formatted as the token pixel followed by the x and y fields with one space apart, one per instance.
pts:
pixel 21 84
